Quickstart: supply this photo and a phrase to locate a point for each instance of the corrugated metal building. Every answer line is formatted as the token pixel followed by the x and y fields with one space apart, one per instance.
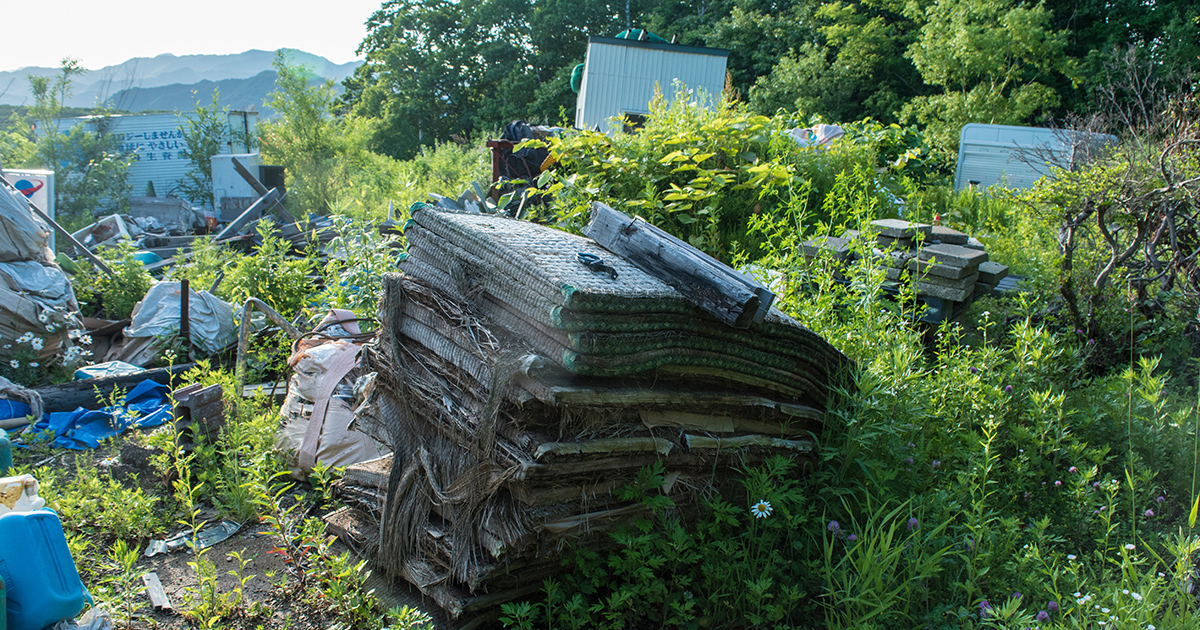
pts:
pixel 156 143
pixel 1016 157
pixel 619 77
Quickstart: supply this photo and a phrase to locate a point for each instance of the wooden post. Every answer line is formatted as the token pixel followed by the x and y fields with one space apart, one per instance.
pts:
pixel 185 327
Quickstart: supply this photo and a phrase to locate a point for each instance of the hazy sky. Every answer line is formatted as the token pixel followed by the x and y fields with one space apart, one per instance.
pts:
pixel 106 32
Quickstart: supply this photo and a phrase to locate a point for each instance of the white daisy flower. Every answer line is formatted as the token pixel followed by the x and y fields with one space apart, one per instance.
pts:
pixel 33 364
pixel 15 363
pixel 762 509
pixel 37 343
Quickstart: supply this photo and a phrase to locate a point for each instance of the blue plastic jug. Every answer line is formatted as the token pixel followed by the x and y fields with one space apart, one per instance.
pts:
pixel 5 458
pixel 36 566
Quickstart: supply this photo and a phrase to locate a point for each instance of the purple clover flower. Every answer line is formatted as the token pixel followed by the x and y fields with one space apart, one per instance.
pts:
pixel 1149 513
pixel 1052 606
pixel 833 526
pixel 1043 616
pixel 1008 389
pixel 913 523
pixel 1072 470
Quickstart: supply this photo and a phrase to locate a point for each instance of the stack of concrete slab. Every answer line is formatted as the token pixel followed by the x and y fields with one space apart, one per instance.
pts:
pixel 946 265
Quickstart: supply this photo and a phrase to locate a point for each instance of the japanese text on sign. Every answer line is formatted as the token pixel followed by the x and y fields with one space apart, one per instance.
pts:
pixel 153 146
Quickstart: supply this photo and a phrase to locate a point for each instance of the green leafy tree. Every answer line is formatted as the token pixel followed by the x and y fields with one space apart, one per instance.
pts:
pixel 204 133
pixel 326 156
pixel 91 172
pixel 991 60
pixel 858 70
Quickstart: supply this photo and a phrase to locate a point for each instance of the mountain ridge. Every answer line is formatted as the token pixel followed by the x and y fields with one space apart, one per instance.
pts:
pixel 182 73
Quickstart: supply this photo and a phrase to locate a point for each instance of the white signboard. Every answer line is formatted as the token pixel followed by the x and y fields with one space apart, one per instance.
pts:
pixel 37 186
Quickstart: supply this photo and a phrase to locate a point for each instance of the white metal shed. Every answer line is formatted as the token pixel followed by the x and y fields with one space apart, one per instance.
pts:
pixel 156 142
pixel 619 77
pixel 1016 157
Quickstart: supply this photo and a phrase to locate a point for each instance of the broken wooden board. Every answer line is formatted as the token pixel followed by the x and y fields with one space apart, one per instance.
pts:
pixel 712 285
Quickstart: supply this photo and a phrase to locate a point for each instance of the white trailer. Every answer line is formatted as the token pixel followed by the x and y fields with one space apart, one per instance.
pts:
pixel 1016 157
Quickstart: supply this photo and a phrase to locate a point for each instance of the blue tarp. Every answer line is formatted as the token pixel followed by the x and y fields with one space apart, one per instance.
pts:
pixel 146 405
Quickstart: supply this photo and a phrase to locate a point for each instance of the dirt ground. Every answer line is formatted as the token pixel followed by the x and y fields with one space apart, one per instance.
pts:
pixel 129 463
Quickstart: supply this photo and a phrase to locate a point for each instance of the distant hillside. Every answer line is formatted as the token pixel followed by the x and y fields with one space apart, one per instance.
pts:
pixel 187 73
pixel 237 94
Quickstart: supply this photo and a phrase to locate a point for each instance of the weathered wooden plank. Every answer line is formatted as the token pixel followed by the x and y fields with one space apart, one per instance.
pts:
pixel 712 285
pixel 92 393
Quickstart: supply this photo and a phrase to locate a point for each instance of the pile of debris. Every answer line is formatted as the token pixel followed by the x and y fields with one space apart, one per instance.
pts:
pixel 524 376
pixel 950 268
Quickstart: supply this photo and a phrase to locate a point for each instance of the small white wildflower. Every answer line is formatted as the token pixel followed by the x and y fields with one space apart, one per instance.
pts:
pixel 1137 596
pixel 1151 627
pixel 15 363
pixel 1104 610
pixel 762 509
pixel 85 340
pixel 1071 556
pixel 42 317
pixel 1124 591
pixel 1129 547
pixel 1077 593
pixel 26 337
pixel 33 364
pixel 1161 574
pixel 37 343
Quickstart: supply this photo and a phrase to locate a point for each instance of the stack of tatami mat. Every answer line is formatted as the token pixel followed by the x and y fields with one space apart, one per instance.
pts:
pixel 521 390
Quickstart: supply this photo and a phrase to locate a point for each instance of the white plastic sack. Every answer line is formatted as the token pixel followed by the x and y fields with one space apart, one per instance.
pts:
pixel 815 136
pixel 23 236
pixel 157 315
pixel 319 388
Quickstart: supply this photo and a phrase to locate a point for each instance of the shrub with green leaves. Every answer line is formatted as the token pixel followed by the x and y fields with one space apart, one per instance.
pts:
pixel 703 173
pixel 271 275
pixel 112 297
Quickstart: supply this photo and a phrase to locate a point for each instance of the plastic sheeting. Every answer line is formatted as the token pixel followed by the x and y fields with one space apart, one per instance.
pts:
pixel 36 299
pixel 146 405
pixel 157 316
pixel 23 236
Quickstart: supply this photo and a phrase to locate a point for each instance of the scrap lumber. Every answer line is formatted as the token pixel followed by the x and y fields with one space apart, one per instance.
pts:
pixel 714 286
